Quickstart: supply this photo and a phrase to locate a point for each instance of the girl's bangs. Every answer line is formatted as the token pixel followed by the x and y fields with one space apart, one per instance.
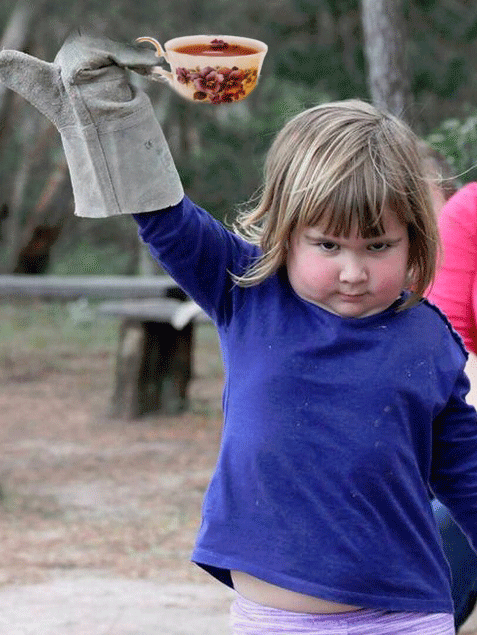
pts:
pixel 355 203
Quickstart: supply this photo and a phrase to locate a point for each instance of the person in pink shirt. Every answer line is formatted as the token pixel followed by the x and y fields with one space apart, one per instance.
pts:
pixel 455 288
pixel 455 292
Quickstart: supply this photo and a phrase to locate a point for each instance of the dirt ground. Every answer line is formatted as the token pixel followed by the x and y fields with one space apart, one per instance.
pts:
pixel 98 516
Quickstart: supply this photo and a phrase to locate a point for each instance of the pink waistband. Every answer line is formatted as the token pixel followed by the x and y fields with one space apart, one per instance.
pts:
pixel 249 618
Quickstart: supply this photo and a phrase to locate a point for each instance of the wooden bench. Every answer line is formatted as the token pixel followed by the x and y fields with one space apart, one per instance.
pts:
pixel 94 287
pixel 154 357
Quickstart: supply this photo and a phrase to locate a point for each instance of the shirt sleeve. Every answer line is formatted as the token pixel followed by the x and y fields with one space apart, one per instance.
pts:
pixel 199 253
pixel 455 288
pixel 454 459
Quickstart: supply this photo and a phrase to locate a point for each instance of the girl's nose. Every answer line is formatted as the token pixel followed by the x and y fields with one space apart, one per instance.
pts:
pixel 353 271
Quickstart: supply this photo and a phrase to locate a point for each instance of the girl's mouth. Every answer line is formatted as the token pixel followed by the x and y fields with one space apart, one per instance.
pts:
pixel 352 297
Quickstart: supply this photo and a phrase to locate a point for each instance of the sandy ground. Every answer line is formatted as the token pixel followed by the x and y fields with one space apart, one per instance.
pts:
pixel 98 516
pixel 94 604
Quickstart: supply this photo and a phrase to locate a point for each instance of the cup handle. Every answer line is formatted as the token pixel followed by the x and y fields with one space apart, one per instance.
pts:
pixel 157 70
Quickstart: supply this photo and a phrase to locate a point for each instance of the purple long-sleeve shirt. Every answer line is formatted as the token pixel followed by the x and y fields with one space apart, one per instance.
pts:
pixel 335 431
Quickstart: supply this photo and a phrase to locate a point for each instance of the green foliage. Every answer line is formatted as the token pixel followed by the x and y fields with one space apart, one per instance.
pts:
pixel 85 259
pixel 457 140
pixel 100 247
pixel 453 76
pixel 323 68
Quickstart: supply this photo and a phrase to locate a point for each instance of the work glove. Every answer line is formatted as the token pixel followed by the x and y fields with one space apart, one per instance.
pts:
pixel 118 158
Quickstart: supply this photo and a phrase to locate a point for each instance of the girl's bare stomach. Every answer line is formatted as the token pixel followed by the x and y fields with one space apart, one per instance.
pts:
pixel 276 597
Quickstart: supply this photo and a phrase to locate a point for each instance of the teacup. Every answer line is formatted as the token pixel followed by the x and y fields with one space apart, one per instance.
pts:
pixel 213 69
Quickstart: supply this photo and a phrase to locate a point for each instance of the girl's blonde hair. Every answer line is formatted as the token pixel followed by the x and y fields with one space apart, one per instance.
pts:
pixel 340 166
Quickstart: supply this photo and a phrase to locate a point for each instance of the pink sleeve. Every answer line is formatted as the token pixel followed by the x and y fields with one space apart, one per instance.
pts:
pixel 455 288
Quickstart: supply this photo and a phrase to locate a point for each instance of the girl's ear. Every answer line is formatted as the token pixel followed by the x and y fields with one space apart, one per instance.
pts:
pixel 411 279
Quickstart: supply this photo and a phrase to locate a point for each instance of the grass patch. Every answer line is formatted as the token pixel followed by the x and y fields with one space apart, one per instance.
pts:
pixel 31 326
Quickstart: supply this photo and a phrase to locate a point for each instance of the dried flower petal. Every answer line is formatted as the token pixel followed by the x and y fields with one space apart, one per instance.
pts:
pixel 218 45
pixel 219 85
pixel 183 75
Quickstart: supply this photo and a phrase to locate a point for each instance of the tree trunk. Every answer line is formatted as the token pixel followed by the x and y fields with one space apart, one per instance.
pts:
pixel 385 49
pixel 44 224
pixel 19 186
pixel 21 229
pixel 15 36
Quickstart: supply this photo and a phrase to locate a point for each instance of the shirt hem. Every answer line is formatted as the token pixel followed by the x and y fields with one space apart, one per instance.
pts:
pixel 220 569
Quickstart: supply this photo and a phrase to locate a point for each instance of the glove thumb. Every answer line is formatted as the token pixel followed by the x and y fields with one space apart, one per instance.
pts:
pixel 35 80
pixel 82 55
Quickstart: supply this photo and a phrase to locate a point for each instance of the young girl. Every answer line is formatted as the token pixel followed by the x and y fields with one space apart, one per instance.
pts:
pixel 344 396
pixel 344 400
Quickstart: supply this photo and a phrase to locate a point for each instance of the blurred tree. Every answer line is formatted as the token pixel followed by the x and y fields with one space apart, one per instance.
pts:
pixel 385 40
pixel 15 36
pixel 321 45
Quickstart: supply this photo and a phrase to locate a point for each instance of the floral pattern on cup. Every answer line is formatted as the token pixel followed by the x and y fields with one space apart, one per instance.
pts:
pixel 220 84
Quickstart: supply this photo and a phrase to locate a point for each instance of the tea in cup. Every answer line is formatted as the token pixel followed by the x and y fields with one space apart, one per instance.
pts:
pixel 213 69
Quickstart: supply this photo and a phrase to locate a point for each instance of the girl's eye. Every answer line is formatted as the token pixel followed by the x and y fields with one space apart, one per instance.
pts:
pixel 328 246
pixel 378 247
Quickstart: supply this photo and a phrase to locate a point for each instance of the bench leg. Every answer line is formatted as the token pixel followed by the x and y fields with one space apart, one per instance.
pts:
pixel 153 369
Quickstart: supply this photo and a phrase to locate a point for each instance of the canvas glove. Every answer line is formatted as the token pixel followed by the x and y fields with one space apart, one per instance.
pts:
pixel 117 155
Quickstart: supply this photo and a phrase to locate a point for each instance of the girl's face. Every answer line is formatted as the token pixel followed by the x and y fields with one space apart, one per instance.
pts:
pixel 353 277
